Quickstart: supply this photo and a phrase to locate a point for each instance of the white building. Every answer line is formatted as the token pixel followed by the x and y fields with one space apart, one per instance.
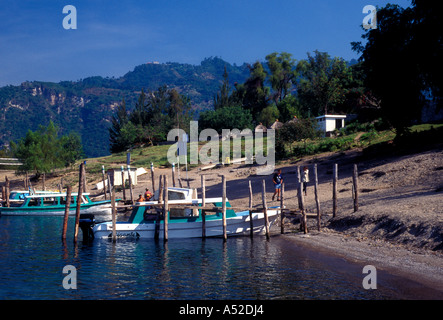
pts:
pixel 329 123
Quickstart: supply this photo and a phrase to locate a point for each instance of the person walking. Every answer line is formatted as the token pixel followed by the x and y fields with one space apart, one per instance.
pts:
pixel 277 179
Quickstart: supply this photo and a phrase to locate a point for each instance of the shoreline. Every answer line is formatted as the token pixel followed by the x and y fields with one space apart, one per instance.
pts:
pixel 424 267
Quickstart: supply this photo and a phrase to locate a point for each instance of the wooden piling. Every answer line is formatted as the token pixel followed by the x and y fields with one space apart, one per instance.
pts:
pixel 173 175
pixel 67 207
pixel 104 180
pixel 7 191
pixel 302 208
pixel 165 208
pixel 123 183
pixel 265 210
pixel 225 236
pixel 114 218
pixel 160 188
pixel 334 190
pixel 355 187
pixel 298 188
pixel 79 201
pixel 152 177
pixel 203 212
pixel 159 213
pixel 317 200
pixel 85 186
pixel 282 211
pixel 251 222
pixel 131 192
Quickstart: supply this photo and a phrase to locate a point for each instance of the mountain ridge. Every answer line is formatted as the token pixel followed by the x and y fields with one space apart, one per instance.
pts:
pixel 86 106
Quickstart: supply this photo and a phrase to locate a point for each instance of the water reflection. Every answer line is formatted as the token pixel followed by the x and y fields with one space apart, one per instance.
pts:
pixel 32 257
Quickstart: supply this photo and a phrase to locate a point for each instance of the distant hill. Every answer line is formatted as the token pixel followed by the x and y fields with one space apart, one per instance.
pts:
pixel 86 106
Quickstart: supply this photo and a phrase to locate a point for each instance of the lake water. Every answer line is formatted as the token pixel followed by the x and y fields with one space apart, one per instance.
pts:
pixel 32 259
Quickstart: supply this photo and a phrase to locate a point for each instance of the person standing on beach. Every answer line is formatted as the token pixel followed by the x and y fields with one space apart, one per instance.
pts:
pixel 278 180
pixel 305 179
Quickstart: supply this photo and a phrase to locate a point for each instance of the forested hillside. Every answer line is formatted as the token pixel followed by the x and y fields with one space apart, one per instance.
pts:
pixel 86 106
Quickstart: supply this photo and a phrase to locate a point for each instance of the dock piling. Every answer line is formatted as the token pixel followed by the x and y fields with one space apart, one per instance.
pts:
pixel 79 201
pixel 251 222
pixel 203 182
pixel 355 187
pixel 334 190
pixel 317 200
pixel 165 208
pixel 67 207
pixel 225 236
pixel 265 210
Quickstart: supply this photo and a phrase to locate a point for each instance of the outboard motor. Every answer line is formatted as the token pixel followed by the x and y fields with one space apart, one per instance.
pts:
pixel 86 223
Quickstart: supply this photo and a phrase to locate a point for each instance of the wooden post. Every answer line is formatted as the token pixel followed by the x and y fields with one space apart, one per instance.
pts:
pixel 282 206
pixel 130 184
pixel 7 192
pixel 225 236
pixel 334 190
pixel 3 193
pixel 203 182
pixel 152 177
pixel 159 214
pixel 67 207
pixel 265 210
pixel 160 188
pixel 114 219
pixel 317 201
pixel 85 187
pixel 173 174
pixel 109 184
pixel 79 201
pixel 165 209
pixel 355 187
pixel 195 197
pixel 304 217
pixel 298 188
pixel 251 222
pixel 104 180
pixel 123 183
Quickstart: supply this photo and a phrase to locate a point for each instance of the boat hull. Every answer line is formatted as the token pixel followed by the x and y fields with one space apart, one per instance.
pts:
pixel 102 209
pixel 238 225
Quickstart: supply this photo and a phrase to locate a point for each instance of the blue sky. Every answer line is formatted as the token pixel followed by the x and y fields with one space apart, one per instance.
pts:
pixel 112 37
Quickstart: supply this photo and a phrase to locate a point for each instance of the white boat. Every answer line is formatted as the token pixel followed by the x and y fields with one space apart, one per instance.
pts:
pixel 185 223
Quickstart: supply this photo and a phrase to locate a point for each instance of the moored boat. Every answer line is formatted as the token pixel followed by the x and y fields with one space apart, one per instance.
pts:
pixel 54 204
pixel 184 222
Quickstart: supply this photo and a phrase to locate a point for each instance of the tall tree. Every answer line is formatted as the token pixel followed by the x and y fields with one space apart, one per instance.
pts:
pixel 283 74
pixel 324 81
pixel 255 93
pixel 118 121
pixel 400 59
pixel 222 98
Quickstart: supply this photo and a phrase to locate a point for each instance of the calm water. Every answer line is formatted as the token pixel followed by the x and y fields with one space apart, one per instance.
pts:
pixel 32 258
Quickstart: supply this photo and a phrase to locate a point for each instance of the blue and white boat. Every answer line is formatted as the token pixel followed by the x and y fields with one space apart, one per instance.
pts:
pixel 186 223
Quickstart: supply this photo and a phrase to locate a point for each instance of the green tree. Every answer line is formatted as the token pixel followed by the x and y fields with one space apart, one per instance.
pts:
pixel 118 121
pixel 222 97
pixel 253 93
pixel 230 117
pixel 42 151
pixel 400 59
pixel 283 74
pixel 324 82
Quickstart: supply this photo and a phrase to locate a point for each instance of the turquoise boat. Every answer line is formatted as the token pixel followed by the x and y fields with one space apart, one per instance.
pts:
pixel 182 223
pixel 54 204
